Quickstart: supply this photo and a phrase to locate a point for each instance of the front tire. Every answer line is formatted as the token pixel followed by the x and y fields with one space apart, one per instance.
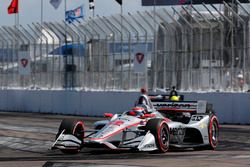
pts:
pixel 160 130
pixel 74 127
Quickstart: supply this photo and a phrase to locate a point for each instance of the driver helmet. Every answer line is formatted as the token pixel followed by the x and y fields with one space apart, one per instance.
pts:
pixel 175 98
pixel 143 90
pixel 138 110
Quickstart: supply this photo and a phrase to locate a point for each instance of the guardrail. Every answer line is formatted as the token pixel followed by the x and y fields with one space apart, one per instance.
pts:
pixel 229 107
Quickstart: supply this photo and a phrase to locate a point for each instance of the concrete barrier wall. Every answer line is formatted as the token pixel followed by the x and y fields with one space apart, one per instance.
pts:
pixel 229 107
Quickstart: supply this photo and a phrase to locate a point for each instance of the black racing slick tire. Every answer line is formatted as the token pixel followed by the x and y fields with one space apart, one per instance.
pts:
pixel 74 127
pixel 160 130
pixel 213 132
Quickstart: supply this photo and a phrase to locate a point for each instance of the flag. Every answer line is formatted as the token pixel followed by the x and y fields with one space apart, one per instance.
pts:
pixel 13 8
pixel 55 3
pixel 91 5
pixel 72 15
pixel 119 1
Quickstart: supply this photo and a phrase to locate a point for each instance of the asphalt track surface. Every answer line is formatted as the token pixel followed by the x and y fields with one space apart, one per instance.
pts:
pixel 25 139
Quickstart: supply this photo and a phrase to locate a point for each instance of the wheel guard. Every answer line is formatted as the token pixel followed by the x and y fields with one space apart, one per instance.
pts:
pixel 148 143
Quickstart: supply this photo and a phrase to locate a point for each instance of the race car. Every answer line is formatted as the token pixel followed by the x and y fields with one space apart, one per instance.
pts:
pixel 180 124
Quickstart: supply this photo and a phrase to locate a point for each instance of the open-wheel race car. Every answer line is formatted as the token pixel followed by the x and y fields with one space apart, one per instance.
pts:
pixel 181 124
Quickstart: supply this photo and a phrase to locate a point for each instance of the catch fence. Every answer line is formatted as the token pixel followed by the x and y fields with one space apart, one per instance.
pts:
pixel 195 48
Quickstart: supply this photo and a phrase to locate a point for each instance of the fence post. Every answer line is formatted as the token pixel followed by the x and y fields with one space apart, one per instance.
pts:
pixel 122 44
pixel 113 53
pixel 154 73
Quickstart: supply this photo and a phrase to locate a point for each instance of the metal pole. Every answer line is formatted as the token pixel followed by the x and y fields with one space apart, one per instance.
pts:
pixel 2 64
pixel 65 57
pixel 82 60
pixel 100 76
pixel 113 54
pixel 130 56
pixel 53 55
pixel 71 30
pixel 58 35
pixel 33 76
pixel 190 64
pixel 139 24
pixel 210 45
pixel 38 36
pixel 167 53
pixel 13 81
pixel 232 25
pixel 5 67
pixel 154 73
pixel 38 27
pixel 180 78
pixel 201 47
pixel 95 50
pixel 88 62
pixel 221 40
pixel 117 29
pixel 244 37
pixel 122 43
pixel 158 51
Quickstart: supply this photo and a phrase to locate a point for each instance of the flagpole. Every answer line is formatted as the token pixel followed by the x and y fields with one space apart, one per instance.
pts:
pixel 17 27
pixel 66 45
pixel 93 14
pixel 41 11
pixel 155 57
pixel 41 26
pixel 121 44
pixel 41 16
pixel 65 9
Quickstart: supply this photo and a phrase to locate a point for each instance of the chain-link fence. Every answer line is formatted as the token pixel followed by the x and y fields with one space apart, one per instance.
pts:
pixel 201 47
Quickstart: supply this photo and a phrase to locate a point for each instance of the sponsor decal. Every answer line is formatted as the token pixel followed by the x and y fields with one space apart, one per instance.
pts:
pixel 196 118
pixel 203 125
pixel 139 57
pixel 149 146
pixel 24 62
pixel 177 105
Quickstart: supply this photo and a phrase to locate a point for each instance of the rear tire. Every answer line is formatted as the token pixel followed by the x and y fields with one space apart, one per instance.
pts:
pixel 213 132
pixel 160 130
pixel 74 127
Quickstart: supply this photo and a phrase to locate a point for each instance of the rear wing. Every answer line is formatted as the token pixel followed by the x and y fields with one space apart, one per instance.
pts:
pixel 163 104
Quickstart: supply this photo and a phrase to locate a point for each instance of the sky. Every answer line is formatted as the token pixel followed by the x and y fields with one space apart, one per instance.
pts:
pixel 30 10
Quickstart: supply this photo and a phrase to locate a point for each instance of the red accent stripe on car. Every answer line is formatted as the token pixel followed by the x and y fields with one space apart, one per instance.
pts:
pixel 114 133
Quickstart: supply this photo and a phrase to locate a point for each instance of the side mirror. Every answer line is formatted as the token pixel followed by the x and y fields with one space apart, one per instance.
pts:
pixel 131 113
pixel 108 115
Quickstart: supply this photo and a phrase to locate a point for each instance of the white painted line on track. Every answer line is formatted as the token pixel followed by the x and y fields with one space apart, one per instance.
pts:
pixel 55 164
pixel 242 156
pixel 25 144
pixel 28 129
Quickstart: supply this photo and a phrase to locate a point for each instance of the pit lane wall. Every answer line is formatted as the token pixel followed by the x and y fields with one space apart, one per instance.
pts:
pixel 230 107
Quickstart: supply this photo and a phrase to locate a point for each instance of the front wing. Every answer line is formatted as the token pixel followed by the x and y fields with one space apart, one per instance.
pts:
pixel 142 143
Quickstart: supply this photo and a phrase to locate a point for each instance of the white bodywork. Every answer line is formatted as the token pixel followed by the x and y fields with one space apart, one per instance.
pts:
pixel 129 132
